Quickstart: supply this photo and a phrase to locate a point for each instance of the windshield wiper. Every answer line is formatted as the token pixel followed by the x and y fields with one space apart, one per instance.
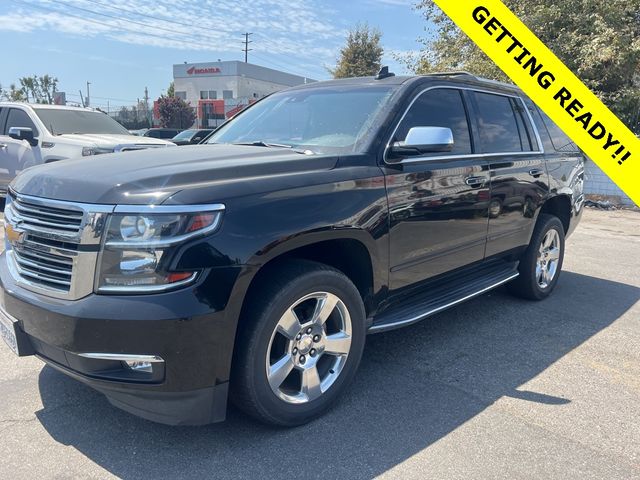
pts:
pixel 260 143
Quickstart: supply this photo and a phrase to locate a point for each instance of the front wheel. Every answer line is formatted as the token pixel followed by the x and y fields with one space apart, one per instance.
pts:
pixel 299 344
pixel 541 264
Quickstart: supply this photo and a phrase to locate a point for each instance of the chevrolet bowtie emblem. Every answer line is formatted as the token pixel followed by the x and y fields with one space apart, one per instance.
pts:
pixel 13 235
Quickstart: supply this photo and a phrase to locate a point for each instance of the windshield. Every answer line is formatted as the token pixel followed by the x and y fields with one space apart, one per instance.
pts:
pixel 59 122
pixel 323 120
pixel 185 135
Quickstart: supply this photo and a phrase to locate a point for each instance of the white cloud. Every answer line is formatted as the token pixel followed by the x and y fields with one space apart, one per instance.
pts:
pixel 286 29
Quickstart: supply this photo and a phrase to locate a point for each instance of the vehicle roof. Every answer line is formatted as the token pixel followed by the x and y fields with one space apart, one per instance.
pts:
pixel 46 106
pixel 455 77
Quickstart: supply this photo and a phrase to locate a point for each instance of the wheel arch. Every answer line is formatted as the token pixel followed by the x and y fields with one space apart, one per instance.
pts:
pixel 559 206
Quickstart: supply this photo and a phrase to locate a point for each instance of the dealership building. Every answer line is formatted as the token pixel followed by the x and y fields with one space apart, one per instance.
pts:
pixel 218 90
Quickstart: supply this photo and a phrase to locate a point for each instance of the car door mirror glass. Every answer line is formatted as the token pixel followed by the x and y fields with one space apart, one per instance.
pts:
pixel 23 133
pixel 421 140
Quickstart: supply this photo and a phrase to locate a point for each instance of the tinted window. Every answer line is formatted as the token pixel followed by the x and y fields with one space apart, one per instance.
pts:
pixel 18 118
pixel 63 121
pixel 560 141
pixel 501 129
pixel 442 107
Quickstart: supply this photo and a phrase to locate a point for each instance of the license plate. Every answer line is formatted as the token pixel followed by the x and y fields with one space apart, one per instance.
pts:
pixel 8 333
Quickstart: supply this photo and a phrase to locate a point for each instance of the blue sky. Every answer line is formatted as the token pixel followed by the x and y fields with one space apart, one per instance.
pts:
pixel 121 46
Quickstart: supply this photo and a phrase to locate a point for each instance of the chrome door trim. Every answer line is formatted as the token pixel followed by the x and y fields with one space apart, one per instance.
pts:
pixel 540 150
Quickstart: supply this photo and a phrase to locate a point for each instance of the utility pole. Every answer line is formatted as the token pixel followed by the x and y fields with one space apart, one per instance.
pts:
pixel 246 48
pixel 88 102
pixel 146 106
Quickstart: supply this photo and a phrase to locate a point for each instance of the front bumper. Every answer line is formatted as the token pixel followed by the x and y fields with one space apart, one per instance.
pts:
pixel 186 328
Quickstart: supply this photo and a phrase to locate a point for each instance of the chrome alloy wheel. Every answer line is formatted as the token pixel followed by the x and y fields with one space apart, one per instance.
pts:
pixel 309 348
pixel 548 258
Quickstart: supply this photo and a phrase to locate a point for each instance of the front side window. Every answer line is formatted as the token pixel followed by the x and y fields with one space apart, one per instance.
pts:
pixel 502 125
pixel 19 118
pixel 67 121
pixel 321 119
pixel 440 107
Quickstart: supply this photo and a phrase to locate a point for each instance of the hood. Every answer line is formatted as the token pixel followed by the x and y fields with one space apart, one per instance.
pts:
pixel 108 140
pixel 151 176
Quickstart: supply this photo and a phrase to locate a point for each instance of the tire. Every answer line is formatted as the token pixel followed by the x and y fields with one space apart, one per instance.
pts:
pixel 273 377
pixel 541 264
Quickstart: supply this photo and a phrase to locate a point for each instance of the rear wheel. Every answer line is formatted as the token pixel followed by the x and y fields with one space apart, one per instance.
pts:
pixel 300 344
pixel 541 264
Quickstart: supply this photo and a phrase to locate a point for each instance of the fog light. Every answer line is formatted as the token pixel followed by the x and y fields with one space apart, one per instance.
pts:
pixel 139 366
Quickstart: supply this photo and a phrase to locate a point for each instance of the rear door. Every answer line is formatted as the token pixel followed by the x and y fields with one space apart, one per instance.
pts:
pixel 437 202
pixel 519 181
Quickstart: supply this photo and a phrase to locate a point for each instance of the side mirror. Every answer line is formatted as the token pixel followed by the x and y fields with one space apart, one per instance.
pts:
pixel 23 133
pixel 422 140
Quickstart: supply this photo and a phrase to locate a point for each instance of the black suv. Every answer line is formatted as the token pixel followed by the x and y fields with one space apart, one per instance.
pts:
pixel 254 267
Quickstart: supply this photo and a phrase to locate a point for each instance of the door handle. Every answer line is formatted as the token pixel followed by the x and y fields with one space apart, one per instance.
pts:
pixel 475 181
pixel 536 172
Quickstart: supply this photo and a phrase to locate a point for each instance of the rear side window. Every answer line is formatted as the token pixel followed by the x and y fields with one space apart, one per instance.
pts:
pixel 502 125
pixel 560 141
pixel 18 118
pixel 441 107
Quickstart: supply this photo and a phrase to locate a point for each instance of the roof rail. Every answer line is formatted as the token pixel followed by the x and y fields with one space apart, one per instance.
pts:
pixel 451 74
pixel 474 77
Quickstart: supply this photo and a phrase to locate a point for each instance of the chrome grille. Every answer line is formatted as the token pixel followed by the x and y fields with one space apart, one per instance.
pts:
pixel 52 246
pixel 45 218
pixel 53 271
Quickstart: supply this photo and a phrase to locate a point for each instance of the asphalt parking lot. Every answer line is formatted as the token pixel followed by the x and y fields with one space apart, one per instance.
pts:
pixel 495 388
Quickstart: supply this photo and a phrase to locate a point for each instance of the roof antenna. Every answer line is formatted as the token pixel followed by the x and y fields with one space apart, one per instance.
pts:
pixel 384 73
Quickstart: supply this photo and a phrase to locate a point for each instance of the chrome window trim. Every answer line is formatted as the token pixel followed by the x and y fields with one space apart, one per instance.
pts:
pixel 423 159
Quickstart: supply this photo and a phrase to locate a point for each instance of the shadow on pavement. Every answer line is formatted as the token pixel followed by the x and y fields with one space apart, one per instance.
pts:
pixel 414 387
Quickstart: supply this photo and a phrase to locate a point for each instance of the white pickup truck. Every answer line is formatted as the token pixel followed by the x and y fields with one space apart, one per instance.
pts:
pixel 32 134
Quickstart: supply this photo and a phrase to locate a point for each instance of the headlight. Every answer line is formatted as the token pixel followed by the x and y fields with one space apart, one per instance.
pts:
pixel 86 151
pixel 137 249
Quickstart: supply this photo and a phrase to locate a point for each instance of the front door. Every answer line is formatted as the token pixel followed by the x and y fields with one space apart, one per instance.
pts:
pixel 437 202
pixel 15 155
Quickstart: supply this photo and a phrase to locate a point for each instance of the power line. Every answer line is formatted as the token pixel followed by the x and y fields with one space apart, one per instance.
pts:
pixel 163 37
pixel 93 12
pixel 171 20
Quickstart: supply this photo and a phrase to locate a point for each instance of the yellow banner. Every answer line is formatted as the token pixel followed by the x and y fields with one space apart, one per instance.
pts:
pixel 553 87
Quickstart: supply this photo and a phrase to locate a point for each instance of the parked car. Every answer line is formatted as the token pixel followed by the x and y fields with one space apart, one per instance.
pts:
pixel 255 265
pixel 164 133
pixel 191 137
pixel 139 133
pixel 32 134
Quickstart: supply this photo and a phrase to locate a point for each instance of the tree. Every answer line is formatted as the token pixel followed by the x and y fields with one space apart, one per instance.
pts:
pixel 362 54
pixel 171 91
pixel 598 41
pixel 38 89
pixel 175 112
pixel 13 94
